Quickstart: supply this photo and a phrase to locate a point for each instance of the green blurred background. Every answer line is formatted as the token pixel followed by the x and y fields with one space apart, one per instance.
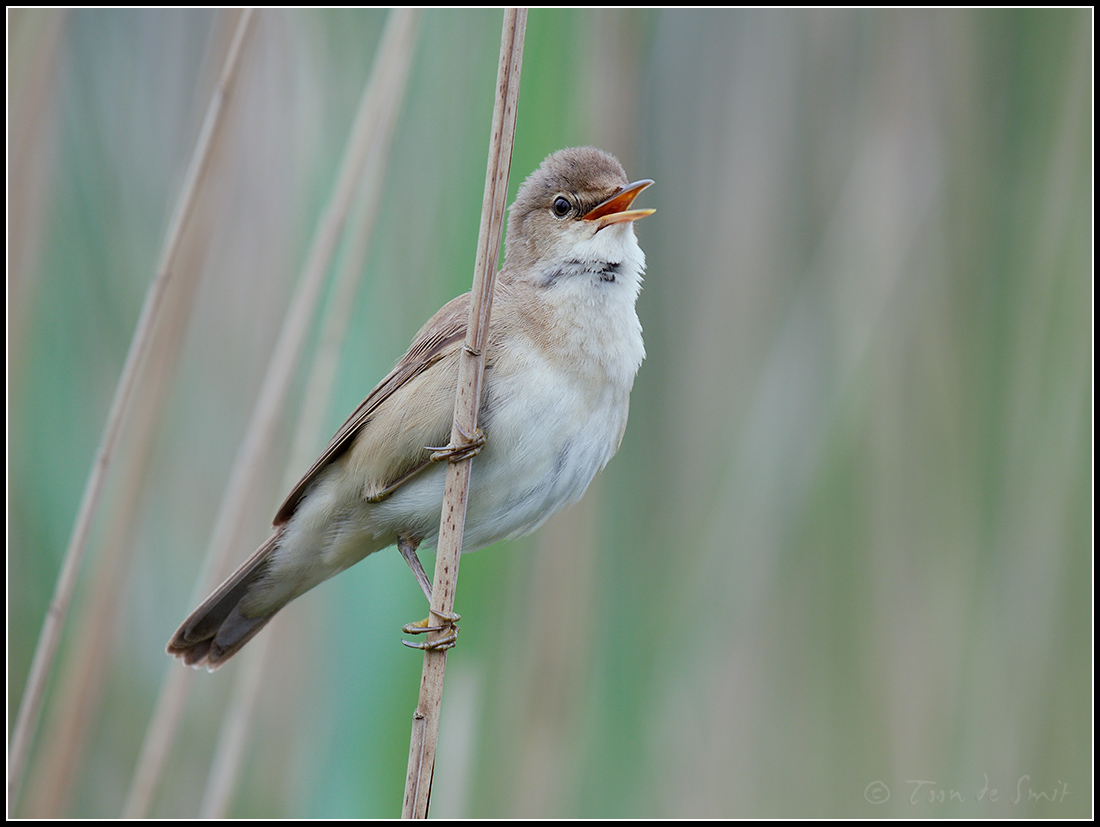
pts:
pixel 842 563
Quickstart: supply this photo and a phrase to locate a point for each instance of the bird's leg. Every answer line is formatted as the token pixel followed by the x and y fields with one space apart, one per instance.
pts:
pixel 471 447
pixel 407 546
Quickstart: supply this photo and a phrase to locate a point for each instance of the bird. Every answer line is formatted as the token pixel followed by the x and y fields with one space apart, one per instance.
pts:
pixel 563 348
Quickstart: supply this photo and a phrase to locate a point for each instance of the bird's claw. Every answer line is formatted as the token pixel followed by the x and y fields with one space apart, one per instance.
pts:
pixel 422 626
pixel 456 453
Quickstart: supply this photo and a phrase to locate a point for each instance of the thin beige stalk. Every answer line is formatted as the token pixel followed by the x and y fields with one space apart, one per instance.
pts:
pixel 142 342
pixel 425 729
pixel 80 674
pixel 383 96
pixel 34 47
pixel 248 465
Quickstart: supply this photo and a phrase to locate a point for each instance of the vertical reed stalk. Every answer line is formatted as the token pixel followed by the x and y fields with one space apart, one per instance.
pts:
pixel 425 729
pixel 382 98
pixel 378 95
pixel 140 346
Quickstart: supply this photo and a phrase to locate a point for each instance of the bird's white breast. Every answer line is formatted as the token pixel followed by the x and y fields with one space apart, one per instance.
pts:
pixel 556 398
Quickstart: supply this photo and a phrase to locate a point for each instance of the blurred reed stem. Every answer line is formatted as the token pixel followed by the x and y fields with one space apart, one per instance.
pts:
pixel 146 337
pixel 267 413
pixel 381 103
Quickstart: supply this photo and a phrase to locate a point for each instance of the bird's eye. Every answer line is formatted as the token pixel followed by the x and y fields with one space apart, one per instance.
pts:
pixel 561 206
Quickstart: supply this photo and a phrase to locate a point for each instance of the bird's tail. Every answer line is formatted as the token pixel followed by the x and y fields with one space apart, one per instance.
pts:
pixel 218 628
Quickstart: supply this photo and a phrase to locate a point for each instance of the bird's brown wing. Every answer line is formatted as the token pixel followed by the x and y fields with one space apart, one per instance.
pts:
pixel 440 337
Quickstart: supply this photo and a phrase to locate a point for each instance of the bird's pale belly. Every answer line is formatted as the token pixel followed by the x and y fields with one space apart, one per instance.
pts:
pixel 533 464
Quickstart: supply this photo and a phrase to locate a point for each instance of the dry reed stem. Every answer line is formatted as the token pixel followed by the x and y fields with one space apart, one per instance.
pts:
pixel 34 46
pixel 382 97
pixel 228 532
pixel 425 729
pixel 141 344
pixel 82 670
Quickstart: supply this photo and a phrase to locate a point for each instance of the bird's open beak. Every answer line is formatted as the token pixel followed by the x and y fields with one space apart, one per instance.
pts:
pixel 616 209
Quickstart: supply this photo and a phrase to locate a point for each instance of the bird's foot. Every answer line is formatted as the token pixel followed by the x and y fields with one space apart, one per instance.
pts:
pixel 441 644
pixel 471 447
